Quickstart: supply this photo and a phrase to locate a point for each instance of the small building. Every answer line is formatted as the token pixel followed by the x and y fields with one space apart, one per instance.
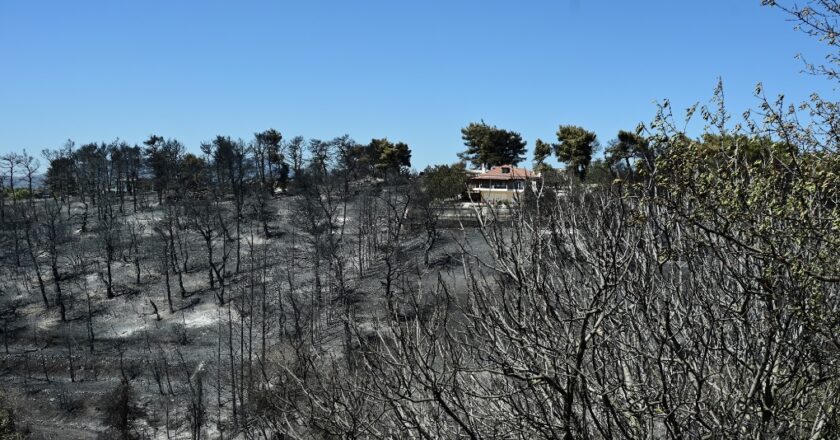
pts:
pixel 503 183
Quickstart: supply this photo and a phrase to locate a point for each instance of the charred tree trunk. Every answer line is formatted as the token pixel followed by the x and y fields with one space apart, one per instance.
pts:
pixel 41 286
pixel 57 284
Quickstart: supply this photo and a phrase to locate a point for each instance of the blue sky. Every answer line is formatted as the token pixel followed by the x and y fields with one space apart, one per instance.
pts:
pixel 411 71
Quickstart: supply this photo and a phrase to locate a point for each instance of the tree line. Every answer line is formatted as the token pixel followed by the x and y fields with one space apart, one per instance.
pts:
pixel 691 293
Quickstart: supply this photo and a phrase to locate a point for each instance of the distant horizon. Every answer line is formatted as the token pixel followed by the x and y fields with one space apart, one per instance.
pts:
pixel 412 73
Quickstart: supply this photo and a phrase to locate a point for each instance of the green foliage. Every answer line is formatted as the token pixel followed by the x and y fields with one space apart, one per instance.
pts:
pixel 18 193
pixel 773 201
pixel 599 172
pixel 380 157
pixel 630 153
pixel 575 148
pixel 747 148
pixel 445 182
pixel 542 150
pixel 390 157
pixel 491 146
pixel 552 177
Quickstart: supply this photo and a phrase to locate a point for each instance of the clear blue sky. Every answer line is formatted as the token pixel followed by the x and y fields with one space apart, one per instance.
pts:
pixel 411 71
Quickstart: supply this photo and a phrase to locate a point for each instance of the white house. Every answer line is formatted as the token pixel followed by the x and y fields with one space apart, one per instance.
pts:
pixel 503 183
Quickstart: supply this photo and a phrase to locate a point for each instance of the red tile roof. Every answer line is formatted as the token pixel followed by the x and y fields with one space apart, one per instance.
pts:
pixel 514 173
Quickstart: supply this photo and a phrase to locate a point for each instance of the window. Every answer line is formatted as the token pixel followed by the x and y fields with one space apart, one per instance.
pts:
pixel 505 170
pixel 497 184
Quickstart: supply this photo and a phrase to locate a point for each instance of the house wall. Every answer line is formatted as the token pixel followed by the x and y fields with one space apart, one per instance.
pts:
pixel 495 191
pixel 497 196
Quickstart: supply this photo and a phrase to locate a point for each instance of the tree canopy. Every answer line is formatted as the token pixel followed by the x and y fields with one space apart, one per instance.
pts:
pixel 390 157
pixel 542 150
pixel 491 146
pixel 61 176
pixel 575 148
pixel 380 156
pixel 629 151
pixel 443 182
pixel 162 157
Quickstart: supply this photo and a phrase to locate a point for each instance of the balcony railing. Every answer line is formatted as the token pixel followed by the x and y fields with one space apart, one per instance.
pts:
pixel 497 186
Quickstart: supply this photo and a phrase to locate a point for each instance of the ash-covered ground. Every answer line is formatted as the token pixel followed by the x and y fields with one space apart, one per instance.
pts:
pixel 129 356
